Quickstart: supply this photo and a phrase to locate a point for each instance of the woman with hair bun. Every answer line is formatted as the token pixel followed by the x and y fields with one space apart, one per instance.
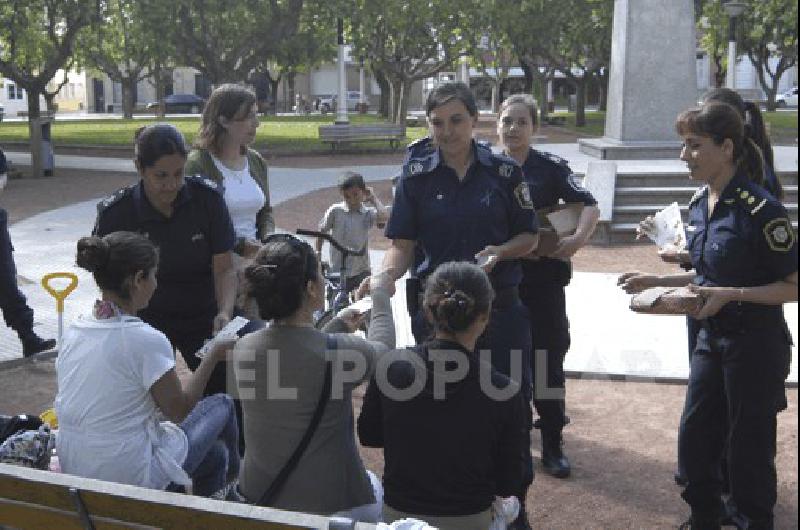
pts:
pixel 115 372
pixel 457 440
pixel 743 252
pixel 281 373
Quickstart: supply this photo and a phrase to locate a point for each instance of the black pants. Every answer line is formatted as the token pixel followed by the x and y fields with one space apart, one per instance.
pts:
pixel 736 389
pixel 16 312
pixel 506 333
pixel 546 303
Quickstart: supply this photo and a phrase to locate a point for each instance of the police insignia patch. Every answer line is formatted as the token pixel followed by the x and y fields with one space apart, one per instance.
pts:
pixel 523 194
pixel 505 170
pixel 414 168
pixel 779 234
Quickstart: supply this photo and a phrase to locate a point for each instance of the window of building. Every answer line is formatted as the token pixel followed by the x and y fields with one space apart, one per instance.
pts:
pixel 14 92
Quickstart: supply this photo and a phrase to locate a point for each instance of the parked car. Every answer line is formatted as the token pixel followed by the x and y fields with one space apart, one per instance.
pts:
pixel 327 103
pixel 181 104
pixel 787 99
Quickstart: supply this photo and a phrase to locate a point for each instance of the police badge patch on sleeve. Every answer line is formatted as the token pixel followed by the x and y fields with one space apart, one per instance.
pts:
pixel 779 234
pixel 523 194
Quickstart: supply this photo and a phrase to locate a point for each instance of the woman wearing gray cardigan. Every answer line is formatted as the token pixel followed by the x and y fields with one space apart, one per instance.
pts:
pixel 280 371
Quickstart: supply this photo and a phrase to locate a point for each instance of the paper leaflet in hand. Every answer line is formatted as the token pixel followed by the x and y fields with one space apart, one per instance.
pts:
pixel 226 333
pixel 361 306
pixel 666 229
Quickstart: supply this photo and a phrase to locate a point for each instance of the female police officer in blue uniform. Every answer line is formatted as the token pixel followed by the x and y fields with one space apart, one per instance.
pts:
pixel 460 202
pixel 187 219
pixel 542 287
pixel 744 253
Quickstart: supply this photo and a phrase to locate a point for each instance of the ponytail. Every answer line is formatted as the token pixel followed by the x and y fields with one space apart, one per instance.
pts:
pixel 750 161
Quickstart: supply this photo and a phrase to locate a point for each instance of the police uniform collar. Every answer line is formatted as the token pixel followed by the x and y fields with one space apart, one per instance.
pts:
pixel 145 209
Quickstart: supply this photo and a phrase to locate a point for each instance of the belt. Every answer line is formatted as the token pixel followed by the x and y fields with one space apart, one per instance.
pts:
pixel 503 298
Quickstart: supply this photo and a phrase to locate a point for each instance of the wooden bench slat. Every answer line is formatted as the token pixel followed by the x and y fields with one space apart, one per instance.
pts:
pixel 45 495
pixel 336 134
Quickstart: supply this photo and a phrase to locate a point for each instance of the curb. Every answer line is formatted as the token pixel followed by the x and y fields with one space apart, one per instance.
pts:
pixel 33 359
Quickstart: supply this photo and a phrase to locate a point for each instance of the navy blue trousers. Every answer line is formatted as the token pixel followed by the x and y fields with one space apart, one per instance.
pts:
pixel 735 391
pixel 16 312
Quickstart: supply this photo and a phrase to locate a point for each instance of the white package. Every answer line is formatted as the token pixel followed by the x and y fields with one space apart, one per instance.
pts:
pixel 666 229
pixel 226 333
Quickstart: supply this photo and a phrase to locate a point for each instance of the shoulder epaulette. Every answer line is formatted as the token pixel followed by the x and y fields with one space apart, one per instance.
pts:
pixel 115 197
pixel 550 157
pixel 205 182
pixel 698 195
pixel 751 198
pixel 420 158
pixel 504 165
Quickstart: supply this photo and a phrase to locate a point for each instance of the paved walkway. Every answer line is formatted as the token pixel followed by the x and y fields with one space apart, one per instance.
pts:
pixel 607 338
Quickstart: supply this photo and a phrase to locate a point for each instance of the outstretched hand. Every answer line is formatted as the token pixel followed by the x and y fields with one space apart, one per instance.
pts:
pixel 635 282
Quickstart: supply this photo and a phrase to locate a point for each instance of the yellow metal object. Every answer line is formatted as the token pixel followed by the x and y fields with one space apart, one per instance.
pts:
pixel 60 295
pixel 49 417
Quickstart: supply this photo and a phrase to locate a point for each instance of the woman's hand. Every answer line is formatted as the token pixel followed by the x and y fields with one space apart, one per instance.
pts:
pixel 636 282
pixel 488 258
pixel 670 254
pixel 646 226
pixel 566 248
pixel 714 299
pixel 221 349
pixel 219 321
pixel 351 318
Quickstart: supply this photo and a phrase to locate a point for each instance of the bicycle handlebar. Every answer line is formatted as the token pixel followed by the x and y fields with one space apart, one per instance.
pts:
pixel 329 238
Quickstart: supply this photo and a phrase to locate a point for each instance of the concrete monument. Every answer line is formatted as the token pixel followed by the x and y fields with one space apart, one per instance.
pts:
pixel 653 77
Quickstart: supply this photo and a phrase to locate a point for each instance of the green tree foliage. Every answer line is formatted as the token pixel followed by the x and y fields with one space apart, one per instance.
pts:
pixel 130 39
pixel 712 27
pixel 408 41
pixel 36 40
pixel 228 40
pixel 769 32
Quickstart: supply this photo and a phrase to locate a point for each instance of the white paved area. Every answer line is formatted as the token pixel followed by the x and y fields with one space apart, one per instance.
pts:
pixel 607 338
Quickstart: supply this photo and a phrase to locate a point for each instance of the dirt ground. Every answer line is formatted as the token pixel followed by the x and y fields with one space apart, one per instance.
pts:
pixel 622 439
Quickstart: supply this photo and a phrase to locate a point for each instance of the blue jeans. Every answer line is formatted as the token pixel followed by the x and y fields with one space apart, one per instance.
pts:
pixel 213 435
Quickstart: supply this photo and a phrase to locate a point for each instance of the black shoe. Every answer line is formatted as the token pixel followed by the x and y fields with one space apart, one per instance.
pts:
pixel 680 479
pixel 554 461
pixel 693 523
pixel 35 344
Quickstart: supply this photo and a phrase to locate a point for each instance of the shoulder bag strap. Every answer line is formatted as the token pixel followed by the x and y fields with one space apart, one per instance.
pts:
pixel 280 480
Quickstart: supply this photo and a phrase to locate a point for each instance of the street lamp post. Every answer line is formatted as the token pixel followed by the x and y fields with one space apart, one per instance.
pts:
pixel 733 9
pixel 341 106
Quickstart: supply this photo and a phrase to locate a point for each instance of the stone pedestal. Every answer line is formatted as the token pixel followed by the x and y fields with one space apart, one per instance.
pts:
pixel 653 77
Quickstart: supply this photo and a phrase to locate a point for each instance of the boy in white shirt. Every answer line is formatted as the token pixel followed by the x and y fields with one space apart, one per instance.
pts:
pixel 349 222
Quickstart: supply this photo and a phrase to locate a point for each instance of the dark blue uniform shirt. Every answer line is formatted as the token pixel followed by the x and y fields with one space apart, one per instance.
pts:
pixel 747 241
pixel 550 179
pixel 453 220
pixel 200 227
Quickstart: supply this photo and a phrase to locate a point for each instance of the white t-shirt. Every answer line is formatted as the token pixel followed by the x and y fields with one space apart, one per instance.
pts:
pixel 107 421
pixel 243 197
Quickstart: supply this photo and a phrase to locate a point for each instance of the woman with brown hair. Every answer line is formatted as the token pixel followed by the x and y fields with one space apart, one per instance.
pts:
pixel 222 153
pixel 743 251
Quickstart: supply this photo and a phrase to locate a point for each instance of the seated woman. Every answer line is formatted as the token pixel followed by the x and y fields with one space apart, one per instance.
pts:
pixel 454 440
pixel 115 372
pixel 281 374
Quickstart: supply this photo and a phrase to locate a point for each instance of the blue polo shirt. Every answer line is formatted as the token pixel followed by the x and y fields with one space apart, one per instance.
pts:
pixel 199 228
pixel 551 179
pixel 453 220
pixel 747 241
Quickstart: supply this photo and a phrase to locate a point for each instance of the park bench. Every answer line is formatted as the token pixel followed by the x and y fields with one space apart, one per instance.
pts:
pixel 34 499
pixel 555 120
pixel 346 133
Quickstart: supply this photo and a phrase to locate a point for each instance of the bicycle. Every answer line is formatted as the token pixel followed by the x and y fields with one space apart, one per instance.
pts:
pixel 336 295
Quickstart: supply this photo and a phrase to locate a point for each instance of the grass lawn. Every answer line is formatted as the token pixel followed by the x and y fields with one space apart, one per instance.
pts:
pixel 782 126
pixel 283 133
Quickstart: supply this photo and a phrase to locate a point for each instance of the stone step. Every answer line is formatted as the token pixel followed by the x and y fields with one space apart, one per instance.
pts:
pixel 633 213
pixel 626 180
pixel 653 195
pixel 626 232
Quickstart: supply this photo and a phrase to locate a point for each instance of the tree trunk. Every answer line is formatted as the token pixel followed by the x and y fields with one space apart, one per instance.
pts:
pixel 128 86
pixel 50 101
pixel 35 135
pixel 159 77
pixel 580 101
pixel 602 85
pixel 402 104
pixel 543 104
pixel 383 84
pixel 397 96
pixel 528 72
pixel 273 88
